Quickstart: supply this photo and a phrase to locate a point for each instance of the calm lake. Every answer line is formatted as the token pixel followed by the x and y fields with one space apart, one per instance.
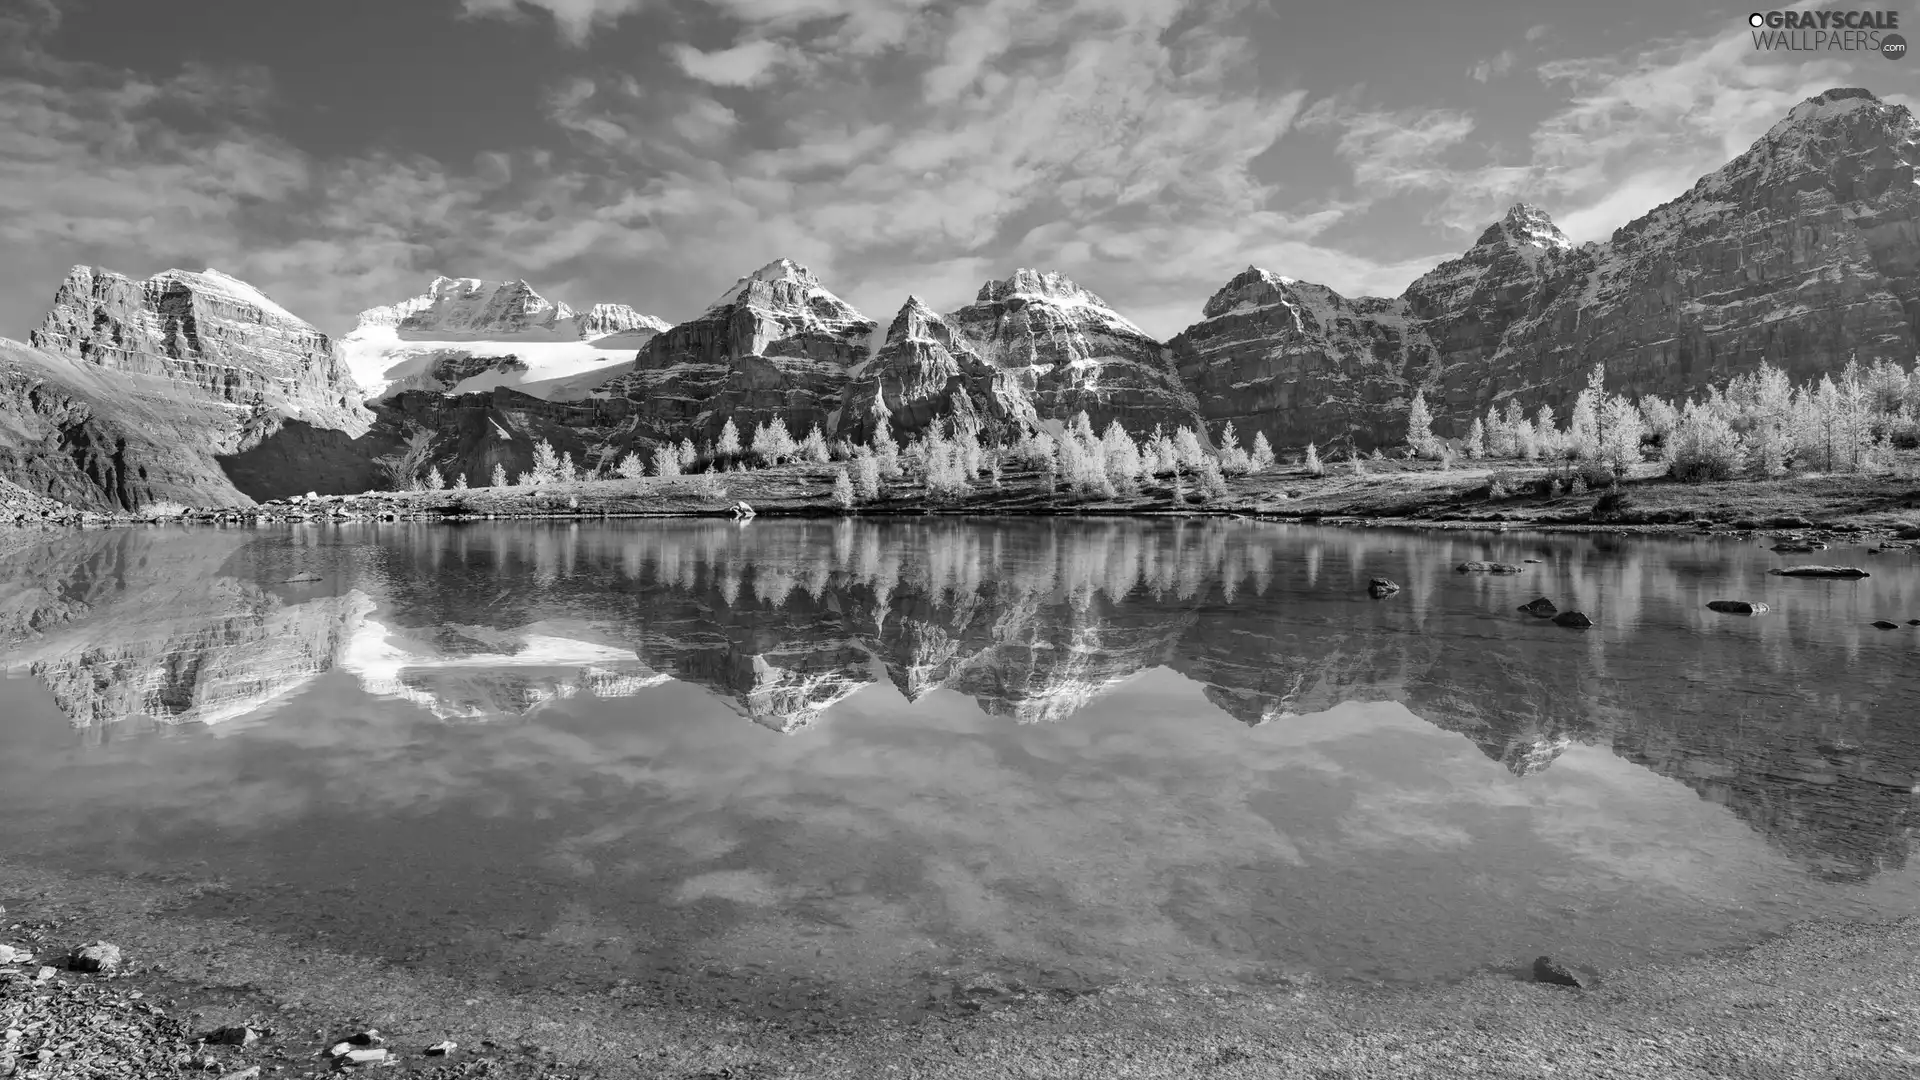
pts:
pixel 872 766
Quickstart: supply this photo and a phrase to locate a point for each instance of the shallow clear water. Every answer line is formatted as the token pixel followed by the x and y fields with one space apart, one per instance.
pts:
pixel 852 765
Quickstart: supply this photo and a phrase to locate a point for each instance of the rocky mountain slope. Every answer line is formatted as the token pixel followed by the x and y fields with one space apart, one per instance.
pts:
pixel 1066 351
pixel 1802 252
pixel 927 372
pixel 465 334
pixel 134 391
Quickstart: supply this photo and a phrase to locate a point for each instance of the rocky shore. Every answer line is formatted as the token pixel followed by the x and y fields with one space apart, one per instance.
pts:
pixel 212 997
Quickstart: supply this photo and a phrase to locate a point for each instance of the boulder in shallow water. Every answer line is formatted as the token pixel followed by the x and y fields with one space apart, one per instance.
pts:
pixel 1476 566
pixel 99 956
pixel 236 1035
pixel 1548 970
pixel 1576 619
pixel 1819 571
pixel 1380 586
pixel 1541 608
pixel 1737 607
pixel 1882 624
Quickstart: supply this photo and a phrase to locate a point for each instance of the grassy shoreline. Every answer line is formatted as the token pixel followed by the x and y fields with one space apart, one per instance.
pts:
pixel 1822 999
pixel 1391 493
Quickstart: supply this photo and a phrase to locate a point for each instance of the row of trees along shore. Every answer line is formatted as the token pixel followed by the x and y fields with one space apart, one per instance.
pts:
pixel 1757 425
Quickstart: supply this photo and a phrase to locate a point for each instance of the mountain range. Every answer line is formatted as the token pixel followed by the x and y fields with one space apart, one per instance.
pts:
pixel 1803 252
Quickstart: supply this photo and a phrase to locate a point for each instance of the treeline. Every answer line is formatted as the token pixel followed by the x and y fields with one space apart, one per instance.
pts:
pixel 1758 425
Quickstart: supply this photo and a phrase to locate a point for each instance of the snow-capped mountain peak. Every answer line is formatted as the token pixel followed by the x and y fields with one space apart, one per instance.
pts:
pixel 1038 284
pixel 1527 225
pixel 782 277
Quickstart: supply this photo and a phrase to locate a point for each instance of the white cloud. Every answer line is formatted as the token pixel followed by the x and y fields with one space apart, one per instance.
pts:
pixel 1635 129
pixel 1393 151
pixel 1493 67
pixel 749 63
pixel 574 19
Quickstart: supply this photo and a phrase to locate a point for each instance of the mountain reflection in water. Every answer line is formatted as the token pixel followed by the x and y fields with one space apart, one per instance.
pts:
pixel 1799 723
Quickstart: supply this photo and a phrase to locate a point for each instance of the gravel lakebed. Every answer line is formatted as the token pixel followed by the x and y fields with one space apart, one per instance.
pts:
pixel 211 997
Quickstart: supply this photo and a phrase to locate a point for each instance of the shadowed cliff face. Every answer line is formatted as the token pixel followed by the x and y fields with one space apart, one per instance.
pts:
pixel 1782 719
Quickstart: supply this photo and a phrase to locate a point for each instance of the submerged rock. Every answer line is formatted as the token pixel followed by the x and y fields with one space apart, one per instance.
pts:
pixel 1475 566
pixel 1819 571
pixel 99 956
pixel 1737 607
pixel 1576 619
pixel 1541 608
pixel 1548 970
pixel 1383 586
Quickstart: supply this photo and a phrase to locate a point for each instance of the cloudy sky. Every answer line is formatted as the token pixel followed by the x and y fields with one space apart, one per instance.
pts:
pixel 341 154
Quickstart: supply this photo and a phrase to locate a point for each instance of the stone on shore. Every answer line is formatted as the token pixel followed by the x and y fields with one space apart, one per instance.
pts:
pixel 236 1035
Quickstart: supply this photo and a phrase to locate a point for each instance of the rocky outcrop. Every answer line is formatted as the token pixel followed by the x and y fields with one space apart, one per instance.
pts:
pixel 928 373
pixel 777 345
pixel 465 335
pixel 1302 363
pixel 1065 351
pixel 1803 252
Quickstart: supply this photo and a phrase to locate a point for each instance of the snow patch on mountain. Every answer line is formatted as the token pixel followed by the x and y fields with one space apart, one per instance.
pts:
pixel 465 335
